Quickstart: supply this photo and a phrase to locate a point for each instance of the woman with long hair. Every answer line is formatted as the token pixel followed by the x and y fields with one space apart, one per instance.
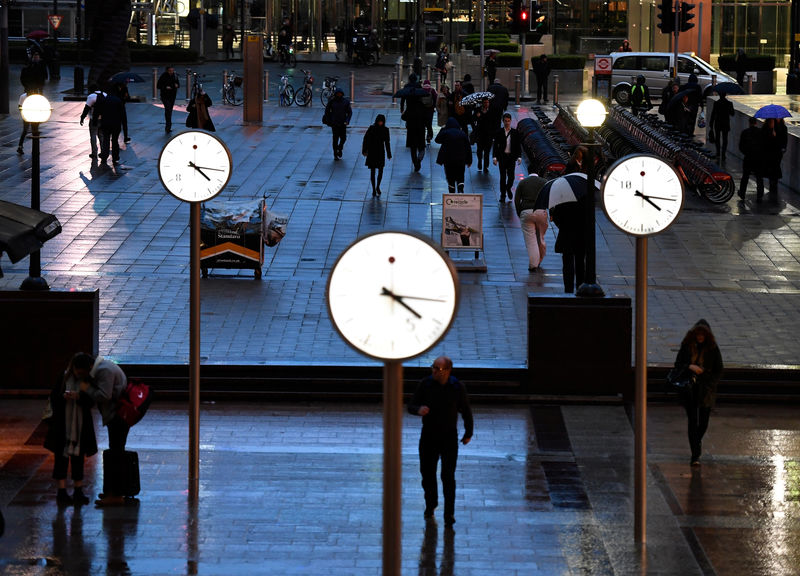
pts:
pixel 700 358
pixel 376 140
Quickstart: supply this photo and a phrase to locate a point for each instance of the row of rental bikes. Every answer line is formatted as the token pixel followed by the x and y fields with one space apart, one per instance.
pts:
pixel 303 96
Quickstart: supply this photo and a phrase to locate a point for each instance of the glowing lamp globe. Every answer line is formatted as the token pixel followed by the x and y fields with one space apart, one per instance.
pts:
pixel 36 109
pixel 591 113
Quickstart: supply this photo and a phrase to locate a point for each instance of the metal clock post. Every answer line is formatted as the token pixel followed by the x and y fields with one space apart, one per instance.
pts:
pixel 642 196
pixel 194 166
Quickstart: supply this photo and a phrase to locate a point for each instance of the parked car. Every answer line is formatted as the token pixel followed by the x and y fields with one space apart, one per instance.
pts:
pixel 655 67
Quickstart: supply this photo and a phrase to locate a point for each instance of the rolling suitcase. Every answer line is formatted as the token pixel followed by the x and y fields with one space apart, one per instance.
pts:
pixel 121 473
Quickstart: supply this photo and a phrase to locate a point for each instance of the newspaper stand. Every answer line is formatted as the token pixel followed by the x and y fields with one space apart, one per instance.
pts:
pixel 233 235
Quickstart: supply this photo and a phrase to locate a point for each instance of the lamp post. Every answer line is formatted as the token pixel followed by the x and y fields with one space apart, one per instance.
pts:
pixel 35 110
pixel 591 114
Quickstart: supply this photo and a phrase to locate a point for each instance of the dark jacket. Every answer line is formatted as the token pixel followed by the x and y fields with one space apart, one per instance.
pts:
pixel 198 113
pixel 527 193
pixel 640 95
pixel 168 85
pixel 33 77
pixel 568 217
pixel 499 103
pixel 467 87
pixel 415 115
pixel 500 143
pixel 485 127
pixel 721 114
pixel 338 111
pixel 708 357
pixel 455 147
pixel 111 112
pixel 376 140
pixel 491 67
pixel 541 68
pixel 772 153
pixel 751 147
pixel 445 402
pixel 56 434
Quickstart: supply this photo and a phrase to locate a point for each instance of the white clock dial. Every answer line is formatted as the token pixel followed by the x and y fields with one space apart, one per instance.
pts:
pixel 194 166
pixel 392 295
pixel 642 194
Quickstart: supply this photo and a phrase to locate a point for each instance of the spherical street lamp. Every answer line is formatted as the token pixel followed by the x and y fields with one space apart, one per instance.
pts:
pixel 35 109
pixel 591 114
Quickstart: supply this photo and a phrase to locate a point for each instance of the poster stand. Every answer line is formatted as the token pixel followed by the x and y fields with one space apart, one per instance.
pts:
pixel 462 230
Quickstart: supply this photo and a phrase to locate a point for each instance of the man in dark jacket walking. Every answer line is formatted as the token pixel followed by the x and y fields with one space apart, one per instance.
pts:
pixel 719 123
pixel 110 125
pixel 507 153
pixel 750 144
pixel 92 109
pixel 413 112
pixel 455 154
pixel 499 103
pixel 338 113
pixel 438 399
pixel 541 68
pixel 34 75
pixel 168 85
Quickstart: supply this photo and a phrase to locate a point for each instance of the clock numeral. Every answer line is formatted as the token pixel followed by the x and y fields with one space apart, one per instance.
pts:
pixel 626 184
pixel 410 325
pixel 177 177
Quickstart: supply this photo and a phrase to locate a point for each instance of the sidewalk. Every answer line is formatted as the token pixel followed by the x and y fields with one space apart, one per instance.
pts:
pixel 296 489
pixel 736 265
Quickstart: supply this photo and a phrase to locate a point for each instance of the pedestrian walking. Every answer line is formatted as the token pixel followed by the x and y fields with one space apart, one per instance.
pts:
pixel 506 154
pixel 337 115
pixel 773 146
pixel 741 66
pixel 121 89
pixel 105 382
pixel 111 112
pixel 458 110
pixel 429 105
pixel 376 140
pixel 443 64
pixel 442 105
pixel 575 162
pixel 499 104
pixel 455 154
pixel 719 124
pixel 570 242
pixel 640 96
pixel 439 398
pixel 199 116
pixel 751 146
pixel 168 85
pixel 694 103
pixel 700 359
pixel 533 221
pixel 228 38
pixel 70 435
pixel 92 109
pixel 485 129
pixel 490 66
pixel 467 86
pixel 673 87
pixel 541 69
pixel 34 75
pixel 413 113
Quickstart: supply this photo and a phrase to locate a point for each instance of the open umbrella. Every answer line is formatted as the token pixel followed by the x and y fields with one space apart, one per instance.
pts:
pixel 569 188
pixel 476 98
pixel 126 77
pixel 491 51
pixel 772 111
pixel 410 92
pixel 37 34
pixel 728 88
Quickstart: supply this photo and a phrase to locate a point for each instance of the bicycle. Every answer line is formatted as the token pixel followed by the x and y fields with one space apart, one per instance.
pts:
pixel 305 95
pixel 328 89
pixel 229 90
pixel 285 92
pixel 287 56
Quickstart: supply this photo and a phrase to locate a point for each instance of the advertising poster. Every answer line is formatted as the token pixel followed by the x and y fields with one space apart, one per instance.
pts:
pixel 462 221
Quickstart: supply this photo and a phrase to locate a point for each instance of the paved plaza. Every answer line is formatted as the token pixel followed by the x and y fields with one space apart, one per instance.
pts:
pixel 736 265
pixel 296 489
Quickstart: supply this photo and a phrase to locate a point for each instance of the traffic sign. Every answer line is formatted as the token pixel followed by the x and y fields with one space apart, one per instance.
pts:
pixel 602 64
pixel 55 20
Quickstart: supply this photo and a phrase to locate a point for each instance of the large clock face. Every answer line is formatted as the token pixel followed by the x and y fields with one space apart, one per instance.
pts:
pixel 642 194
pixel 392 295
pixel 194 166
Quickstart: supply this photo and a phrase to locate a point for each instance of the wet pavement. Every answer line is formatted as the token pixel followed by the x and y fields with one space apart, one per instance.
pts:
pixel 296 489
pixel 738 265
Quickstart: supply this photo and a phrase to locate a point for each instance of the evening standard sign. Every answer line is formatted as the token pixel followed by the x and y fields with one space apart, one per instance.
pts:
pixel 462 221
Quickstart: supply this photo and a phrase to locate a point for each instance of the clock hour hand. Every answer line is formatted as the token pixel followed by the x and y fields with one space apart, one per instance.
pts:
pixel 203 174
pixel 647 199
pixel 399 299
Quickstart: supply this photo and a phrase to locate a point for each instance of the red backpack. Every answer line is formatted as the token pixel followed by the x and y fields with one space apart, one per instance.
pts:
pixel 134 402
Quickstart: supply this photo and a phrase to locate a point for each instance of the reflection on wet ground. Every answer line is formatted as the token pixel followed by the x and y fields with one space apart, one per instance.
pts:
pixel 296 489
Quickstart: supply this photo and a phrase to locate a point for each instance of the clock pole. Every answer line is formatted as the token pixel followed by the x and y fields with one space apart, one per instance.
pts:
pixel 194 352
pixel 640 441
pixel 392 465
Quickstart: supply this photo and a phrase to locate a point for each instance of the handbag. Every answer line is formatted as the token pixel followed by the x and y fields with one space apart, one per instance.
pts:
pixel 701 120
pixel 681 378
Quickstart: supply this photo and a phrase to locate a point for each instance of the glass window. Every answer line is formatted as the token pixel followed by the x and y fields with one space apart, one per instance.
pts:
pixel 655 63
pixel 687 66
pixel 626 63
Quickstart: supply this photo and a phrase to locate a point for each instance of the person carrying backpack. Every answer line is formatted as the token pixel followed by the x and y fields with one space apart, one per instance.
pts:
pixel 429 104
pixel 640 96
pixel 92 109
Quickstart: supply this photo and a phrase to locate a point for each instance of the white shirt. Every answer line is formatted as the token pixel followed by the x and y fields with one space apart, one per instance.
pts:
pixel 508 142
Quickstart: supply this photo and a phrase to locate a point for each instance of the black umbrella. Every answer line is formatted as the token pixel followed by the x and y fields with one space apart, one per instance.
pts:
pixel 728 88
pixel 409 91
pixel 126 77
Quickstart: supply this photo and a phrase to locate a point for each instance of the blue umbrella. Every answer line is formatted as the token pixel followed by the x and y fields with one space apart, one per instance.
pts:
pixel 772 111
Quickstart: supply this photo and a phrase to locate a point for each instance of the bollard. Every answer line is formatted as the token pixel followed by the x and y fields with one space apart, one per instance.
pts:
pixel 266 85
pixel 394 88
pixel 517 88
pixel 750 84
pixel 352 87
pixel 427 72
pixel 155 83
pixel 188 84
pixel 555 90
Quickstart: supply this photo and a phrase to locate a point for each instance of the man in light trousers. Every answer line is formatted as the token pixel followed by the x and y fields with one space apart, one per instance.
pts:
pixel 533 221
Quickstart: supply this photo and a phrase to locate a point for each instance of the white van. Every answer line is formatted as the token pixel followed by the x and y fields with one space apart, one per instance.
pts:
pixel 655 67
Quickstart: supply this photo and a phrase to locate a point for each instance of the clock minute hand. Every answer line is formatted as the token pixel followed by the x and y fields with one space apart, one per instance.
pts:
pixel 209 168
pixel 399 299
pixel 405 297
pixel 647 199
pixel 203 174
